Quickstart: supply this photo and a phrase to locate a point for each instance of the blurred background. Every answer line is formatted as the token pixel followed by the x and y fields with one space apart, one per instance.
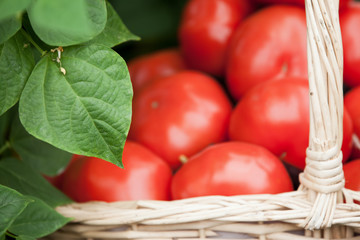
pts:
pixel 154 21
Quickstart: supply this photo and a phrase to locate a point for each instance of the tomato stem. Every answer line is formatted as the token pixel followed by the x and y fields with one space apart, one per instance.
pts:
pixel 282 156
pixel 183 159
pixel 28 37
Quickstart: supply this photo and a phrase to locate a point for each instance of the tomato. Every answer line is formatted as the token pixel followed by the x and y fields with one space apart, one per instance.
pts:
pixel 351 102
pixel 349 22
pixel 205 30
pixel 275 115
pixel 297 2
pixel 57 180
pixel 145 176
pixel 351 174
pixel 269 44
pixel 149 67
pixel 231 168
pixel 179 115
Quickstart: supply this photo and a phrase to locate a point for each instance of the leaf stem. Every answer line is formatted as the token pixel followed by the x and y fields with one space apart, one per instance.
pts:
pixel 5 147
pixel 28 37
pixel 10 234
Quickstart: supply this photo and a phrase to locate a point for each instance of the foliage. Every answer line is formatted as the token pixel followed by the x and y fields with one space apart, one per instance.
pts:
pixel 64 90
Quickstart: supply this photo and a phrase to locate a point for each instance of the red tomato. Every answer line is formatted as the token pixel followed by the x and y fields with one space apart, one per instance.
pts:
pixel 205 30
pixel 352 101
pixel 297 2
pixel 147 68
pixel 269 44
pixel 231 168
pixel 351 174
pixel 350 22
pixel 179 115
pixel 275 115
pixel 57 180
pixel 145 176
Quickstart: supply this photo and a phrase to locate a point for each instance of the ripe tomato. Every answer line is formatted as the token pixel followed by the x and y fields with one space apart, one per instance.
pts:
pixel 57 180
pixel 351 101
pixel 349 21
pixel 180 114
pixel 269 44
pixel 297 2
pixel 149 67
pixel 231 168
pixel 54 180
pixel 205 30
pixel 145 176
pixel 275 115
pixel 351 174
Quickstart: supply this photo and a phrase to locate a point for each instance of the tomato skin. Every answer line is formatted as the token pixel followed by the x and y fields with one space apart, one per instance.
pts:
pixel 231 168
pixel 180 114
pixel 275 115
pixel 351 102
pixel 145 176
pixel 146 68
pixel 205 30
pixel 351 174
pixel 57 180
pixel 270 44
pixel 348 132
pixel 349 22
pixel 297 2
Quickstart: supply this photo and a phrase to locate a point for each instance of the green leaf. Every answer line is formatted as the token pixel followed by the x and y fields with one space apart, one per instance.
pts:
pixel 19 176
pixel 67 22
pixel 9 8
pixel 115 32
pixel 16 63
pixel 37 220
pixel 25 238
pixel 40 155
pixel 8 27
pixel 12 204
pixel 5 123
pixel 88 110
pixel 4 126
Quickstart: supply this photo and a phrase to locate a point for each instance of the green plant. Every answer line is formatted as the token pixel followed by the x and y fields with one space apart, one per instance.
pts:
pixel 63 90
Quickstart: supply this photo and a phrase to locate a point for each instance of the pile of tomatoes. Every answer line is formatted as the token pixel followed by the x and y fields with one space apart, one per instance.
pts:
pixel 226 112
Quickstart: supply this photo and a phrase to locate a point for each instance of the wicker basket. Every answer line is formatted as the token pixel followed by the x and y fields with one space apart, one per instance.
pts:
pixel 321 207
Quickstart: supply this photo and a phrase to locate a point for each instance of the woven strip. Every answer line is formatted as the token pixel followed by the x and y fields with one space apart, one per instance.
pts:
pixel 292 207
pixel 280 213
pixel 323 175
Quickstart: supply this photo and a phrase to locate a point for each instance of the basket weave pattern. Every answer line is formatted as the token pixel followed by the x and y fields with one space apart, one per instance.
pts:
pixel 277 216
pixel 320 208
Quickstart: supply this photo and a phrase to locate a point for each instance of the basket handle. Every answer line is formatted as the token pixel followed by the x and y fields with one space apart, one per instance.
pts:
pixel 323 175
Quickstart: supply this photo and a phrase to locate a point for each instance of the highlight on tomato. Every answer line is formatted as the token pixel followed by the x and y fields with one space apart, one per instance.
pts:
pixel 231 168
pixel 205 30
pixel 179 115
pixel 269 44
pixel 145 177
pixel 275 115
pixel 146 68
